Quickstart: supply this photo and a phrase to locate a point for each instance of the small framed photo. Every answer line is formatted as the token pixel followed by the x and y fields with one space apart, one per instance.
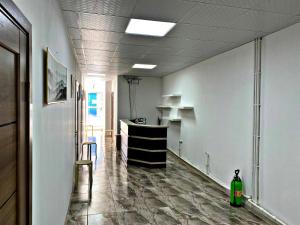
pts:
pixel 56 80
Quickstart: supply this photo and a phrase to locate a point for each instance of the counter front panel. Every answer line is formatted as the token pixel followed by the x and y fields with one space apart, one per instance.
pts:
pixel 144 145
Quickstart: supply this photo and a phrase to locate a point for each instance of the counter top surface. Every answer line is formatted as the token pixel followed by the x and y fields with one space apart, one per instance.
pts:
pixel 129 123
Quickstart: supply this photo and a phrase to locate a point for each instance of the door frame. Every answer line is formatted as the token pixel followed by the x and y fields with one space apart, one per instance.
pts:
pixel 8 8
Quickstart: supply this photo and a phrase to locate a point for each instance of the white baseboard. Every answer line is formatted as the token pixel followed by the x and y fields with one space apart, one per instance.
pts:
pixel 249 204
pixel 262 213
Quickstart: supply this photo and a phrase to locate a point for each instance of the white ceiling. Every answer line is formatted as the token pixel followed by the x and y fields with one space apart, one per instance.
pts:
pixel 204 28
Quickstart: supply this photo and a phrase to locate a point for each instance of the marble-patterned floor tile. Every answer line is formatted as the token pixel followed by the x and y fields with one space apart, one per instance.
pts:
pixel 101 203
pixel 132 218
pixel 198 220
pixel 79 197
pixel 168 190
pixel 84 189
pixel 181 205
pixel 121 193
pixel 170 214
pixel 127 204
pixel 162 217
pixel 146 192
pixel 103 219
pixel 131 195
pixel 82 220
pixel 78 209
pixel 150 205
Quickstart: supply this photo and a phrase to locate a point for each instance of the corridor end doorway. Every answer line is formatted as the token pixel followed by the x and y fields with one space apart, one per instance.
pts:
pixel 94 105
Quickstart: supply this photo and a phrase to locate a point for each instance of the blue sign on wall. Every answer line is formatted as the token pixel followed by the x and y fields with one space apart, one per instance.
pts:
pixel 92 102
pixel 92 111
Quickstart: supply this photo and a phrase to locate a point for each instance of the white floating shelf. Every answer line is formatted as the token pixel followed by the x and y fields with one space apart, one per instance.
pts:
pixel 172 119
pixel 164 107
pixel 172 96
pixel 185 107
pixel 175 119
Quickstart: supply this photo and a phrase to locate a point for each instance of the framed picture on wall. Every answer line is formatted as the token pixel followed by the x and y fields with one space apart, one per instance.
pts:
pixel 56 80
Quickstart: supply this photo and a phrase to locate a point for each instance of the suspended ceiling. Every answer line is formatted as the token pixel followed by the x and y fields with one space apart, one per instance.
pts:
pixel 204 28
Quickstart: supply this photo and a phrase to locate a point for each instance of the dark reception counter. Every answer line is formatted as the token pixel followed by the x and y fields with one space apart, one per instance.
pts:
pixel 143 145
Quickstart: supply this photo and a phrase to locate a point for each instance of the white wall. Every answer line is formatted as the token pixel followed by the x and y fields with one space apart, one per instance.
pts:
pixel 280 155
pixel 53 125
pixel 148 96
pixel 221 91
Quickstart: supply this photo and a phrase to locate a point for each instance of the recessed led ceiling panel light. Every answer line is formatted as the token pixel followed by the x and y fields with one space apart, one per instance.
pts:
pixel 144 66
pixel 149 27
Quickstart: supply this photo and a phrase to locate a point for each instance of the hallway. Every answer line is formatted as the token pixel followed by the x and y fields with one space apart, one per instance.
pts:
pixel 205 90
pixel 133 195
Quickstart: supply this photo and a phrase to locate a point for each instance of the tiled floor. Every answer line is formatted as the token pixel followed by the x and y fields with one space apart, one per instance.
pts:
pixel 140 196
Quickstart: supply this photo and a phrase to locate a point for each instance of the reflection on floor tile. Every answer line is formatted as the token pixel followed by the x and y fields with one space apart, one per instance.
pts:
pixel 133 195
pixel 81 220
pixel 132 218
pixel 103 219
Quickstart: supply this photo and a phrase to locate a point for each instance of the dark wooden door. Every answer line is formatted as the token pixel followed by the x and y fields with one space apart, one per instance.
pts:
pixel 13 122
pixel 8 122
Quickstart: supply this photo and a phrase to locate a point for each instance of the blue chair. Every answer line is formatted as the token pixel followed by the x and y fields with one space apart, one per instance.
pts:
pixel 90 145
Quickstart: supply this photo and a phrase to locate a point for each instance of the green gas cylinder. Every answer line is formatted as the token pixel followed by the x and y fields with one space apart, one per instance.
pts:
pixel 236 190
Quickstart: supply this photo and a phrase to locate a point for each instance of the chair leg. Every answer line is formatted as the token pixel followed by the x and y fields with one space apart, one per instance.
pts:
pixel 96 153
pixel 92 176
pixel 90 181
pixel 87 152
pixel 90 152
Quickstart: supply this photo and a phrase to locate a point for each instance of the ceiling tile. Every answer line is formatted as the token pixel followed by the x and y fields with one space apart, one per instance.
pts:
pixel 77 43
pixel 123 60
pixel 105 7
pixel 131 55
pixel 104 36
pixel 125 48
pixel 238 18
pixel 162 50
pixel 138 40
pixel 204 28
pixel 97 58
pixel 162 10
pixel 74 33
pixel 213 15
pixel 263 21
pixel 157 59
pixel 72 19
pixel 193 32
pixel 207 48
pixel 175 43
pixel 205 33
pixel 97 45
pixel 99 63
pixel 103 22
pixel 235 35
pixel 291 7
